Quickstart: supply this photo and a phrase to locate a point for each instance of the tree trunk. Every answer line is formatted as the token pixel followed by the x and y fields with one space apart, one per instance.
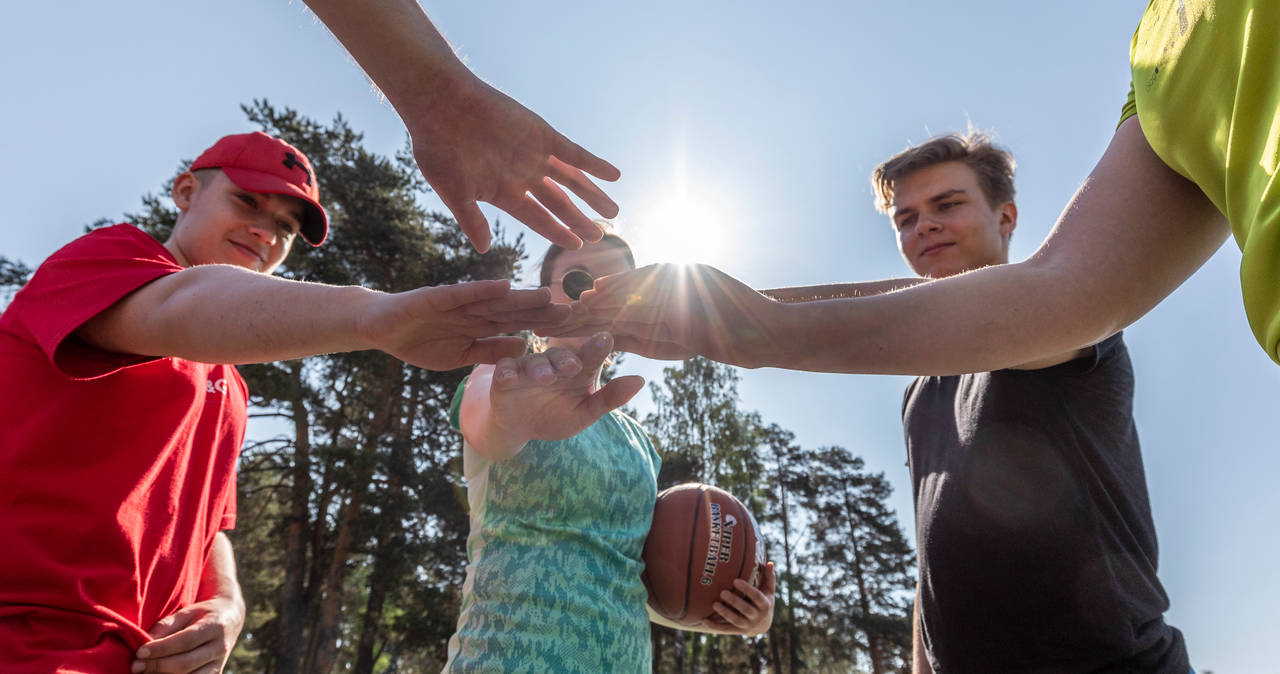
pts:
pixel 387 566
pixel 379 581
pixel 793 654
pixel 292 608
pixel 326 629
pixel 864 603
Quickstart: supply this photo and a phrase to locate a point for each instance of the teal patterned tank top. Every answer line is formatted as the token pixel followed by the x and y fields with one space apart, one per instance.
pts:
pixel 553 557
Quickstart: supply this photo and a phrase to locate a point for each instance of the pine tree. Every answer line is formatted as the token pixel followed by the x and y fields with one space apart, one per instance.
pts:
pixel 860 565
pixel 13 274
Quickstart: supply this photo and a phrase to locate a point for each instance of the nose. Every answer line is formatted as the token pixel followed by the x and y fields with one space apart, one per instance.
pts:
pixel 263 229
pixel 927 225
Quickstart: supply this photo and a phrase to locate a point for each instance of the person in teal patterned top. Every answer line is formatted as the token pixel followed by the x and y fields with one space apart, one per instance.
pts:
pixel 561 488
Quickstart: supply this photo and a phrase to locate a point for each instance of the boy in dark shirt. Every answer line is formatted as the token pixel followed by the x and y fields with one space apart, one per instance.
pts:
pixel 1037 550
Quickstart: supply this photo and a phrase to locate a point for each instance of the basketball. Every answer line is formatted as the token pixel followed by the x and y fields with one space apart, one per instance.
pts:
pixel 702 538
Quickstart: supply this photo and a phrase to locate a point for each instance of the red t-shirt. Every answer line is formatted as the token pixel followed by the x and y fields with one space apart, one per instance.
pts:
pixel 116 470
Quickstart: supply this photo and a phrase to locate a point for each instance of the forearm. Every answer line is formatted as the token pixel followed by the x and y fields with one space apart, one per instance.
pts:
pixel 985 320
pixel 219 576
pixel 224 314
pixel 398 47
pixel 833 291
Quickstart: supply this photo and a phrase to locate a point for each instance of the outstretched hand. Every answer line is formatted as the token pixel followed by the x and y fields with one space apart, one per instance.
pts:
pixel 479 144
pixel 555 394
pixel 446 327
pixel 674 311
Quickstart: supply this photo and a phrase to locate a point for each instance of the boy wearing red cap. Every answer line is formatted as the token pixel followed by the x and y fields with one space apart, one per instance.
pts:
pixel 123 413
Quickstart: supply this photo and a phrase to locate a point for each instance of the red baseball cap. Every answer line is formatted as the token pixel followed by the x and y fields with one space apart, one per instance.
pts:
pixel 261 163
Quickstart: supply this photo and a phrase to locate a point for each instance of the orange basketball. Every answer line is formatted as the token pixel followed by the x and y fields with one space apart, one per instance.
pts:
pixel 702 538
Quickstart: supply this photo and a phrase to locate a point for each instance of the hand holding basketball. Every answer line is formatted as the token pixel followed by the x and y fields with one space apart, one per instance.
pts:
pixel 746 609
pixel 704 561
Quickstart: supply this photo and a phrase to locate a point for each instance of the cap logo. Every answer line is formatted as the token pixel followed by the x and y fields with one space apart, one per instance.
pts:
pixel 291 161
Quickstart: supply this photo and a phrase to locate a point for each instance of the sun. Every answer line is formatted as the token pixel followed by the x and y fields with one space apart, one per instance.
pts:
pixel 686 221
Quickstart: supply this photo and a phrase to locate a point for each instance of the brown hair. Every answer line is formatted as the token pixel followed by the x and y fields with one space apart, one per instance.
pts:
pixel 610 237
pixel 992 164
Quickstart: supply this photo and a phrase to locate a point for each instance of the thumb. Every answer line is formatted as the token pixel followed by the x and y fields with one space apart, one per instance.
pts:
pixel 172 623
pixel 613 395
pixel 770 584
pixel 593 351
pixel 471 221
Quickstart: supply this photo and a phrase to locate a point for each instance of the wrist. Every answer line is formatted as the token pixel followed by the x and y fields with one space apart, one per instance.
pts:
pixel 436 95
pixel 764 344
pixel 366 316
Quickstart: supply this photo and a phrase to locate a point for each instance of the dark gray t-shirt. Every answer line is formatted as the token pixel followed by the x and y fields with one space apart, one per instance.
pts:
pixel 1037 550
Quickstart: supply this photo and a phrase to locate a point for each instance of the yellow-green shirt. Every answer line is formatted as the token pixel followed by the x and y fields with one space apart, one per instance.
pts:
pixel 1206 88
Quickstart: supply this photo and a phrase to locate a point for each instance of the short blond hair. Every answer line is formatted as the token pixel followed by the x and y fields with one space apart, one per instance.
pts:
pixel 992 164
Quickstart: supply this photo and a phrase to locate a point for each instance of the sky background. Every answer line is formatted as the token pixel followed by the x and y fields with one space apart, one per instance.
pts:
pixel 745 132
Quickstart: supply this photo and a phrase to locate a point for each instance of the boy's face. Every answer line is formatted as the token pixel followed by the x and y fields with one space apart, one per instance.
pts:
pixel 945 225
pixel 220 223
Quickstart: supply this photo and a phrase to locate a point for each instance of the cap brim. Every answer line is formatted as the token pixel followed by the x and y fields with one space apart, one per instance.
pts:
pixel 315 222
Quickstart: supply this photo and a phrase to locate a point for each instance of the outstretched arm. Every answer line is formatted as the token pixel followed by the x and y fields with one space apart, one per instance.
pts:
pixel 1132 233
pixel 225 314
pixel 472 142
pixel 835 291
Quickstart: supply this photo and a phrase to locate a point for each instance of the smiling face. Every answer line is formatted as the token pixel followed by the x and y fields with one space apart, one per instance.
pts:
pixel 945 224
pixel 220 223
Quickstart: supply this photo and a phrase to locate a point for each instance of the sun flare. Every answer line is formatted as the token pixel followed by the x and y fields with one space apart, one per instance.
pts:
pixel 688 220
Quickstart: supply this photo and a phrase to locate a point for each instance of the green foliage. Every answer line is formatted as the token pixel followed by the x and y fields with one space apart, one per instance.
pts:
pixel 13 274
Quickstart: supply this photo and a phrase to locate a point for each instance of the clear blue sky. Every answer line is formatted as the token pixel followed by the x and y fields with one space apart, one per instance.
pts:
pixel 745 133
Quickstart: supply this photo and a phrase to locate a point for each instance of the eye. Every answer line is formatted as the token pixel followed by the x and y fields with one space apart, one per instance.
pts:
pixel 946 205
pixel 247 200
pixel 287 227
pixel 905 222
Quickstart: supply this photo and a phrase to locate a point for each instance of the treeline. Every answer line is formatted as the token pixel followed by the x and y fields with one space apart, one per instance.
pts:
pixel 352 515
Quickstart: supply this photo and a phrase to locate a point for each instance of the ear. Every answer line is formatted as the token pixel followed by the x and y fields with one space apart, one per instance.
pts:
pixel 1008 218
pixel 184 190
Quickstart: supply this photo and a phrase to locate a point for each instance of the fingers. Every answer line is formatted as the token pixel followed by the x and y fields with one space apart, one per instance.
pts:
pixel 505 373
pixel 769 585
pixel 593 352
pixel 574 155
pixel 555 200
pixel 539 369
pixel 186 650
pixel 509 299
pixel 531 213
pixel 447 298
pixel 582 186
pixel 491 350
pixel 536 367
pixel 614 394
pixel 471 221
pixel 172 623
